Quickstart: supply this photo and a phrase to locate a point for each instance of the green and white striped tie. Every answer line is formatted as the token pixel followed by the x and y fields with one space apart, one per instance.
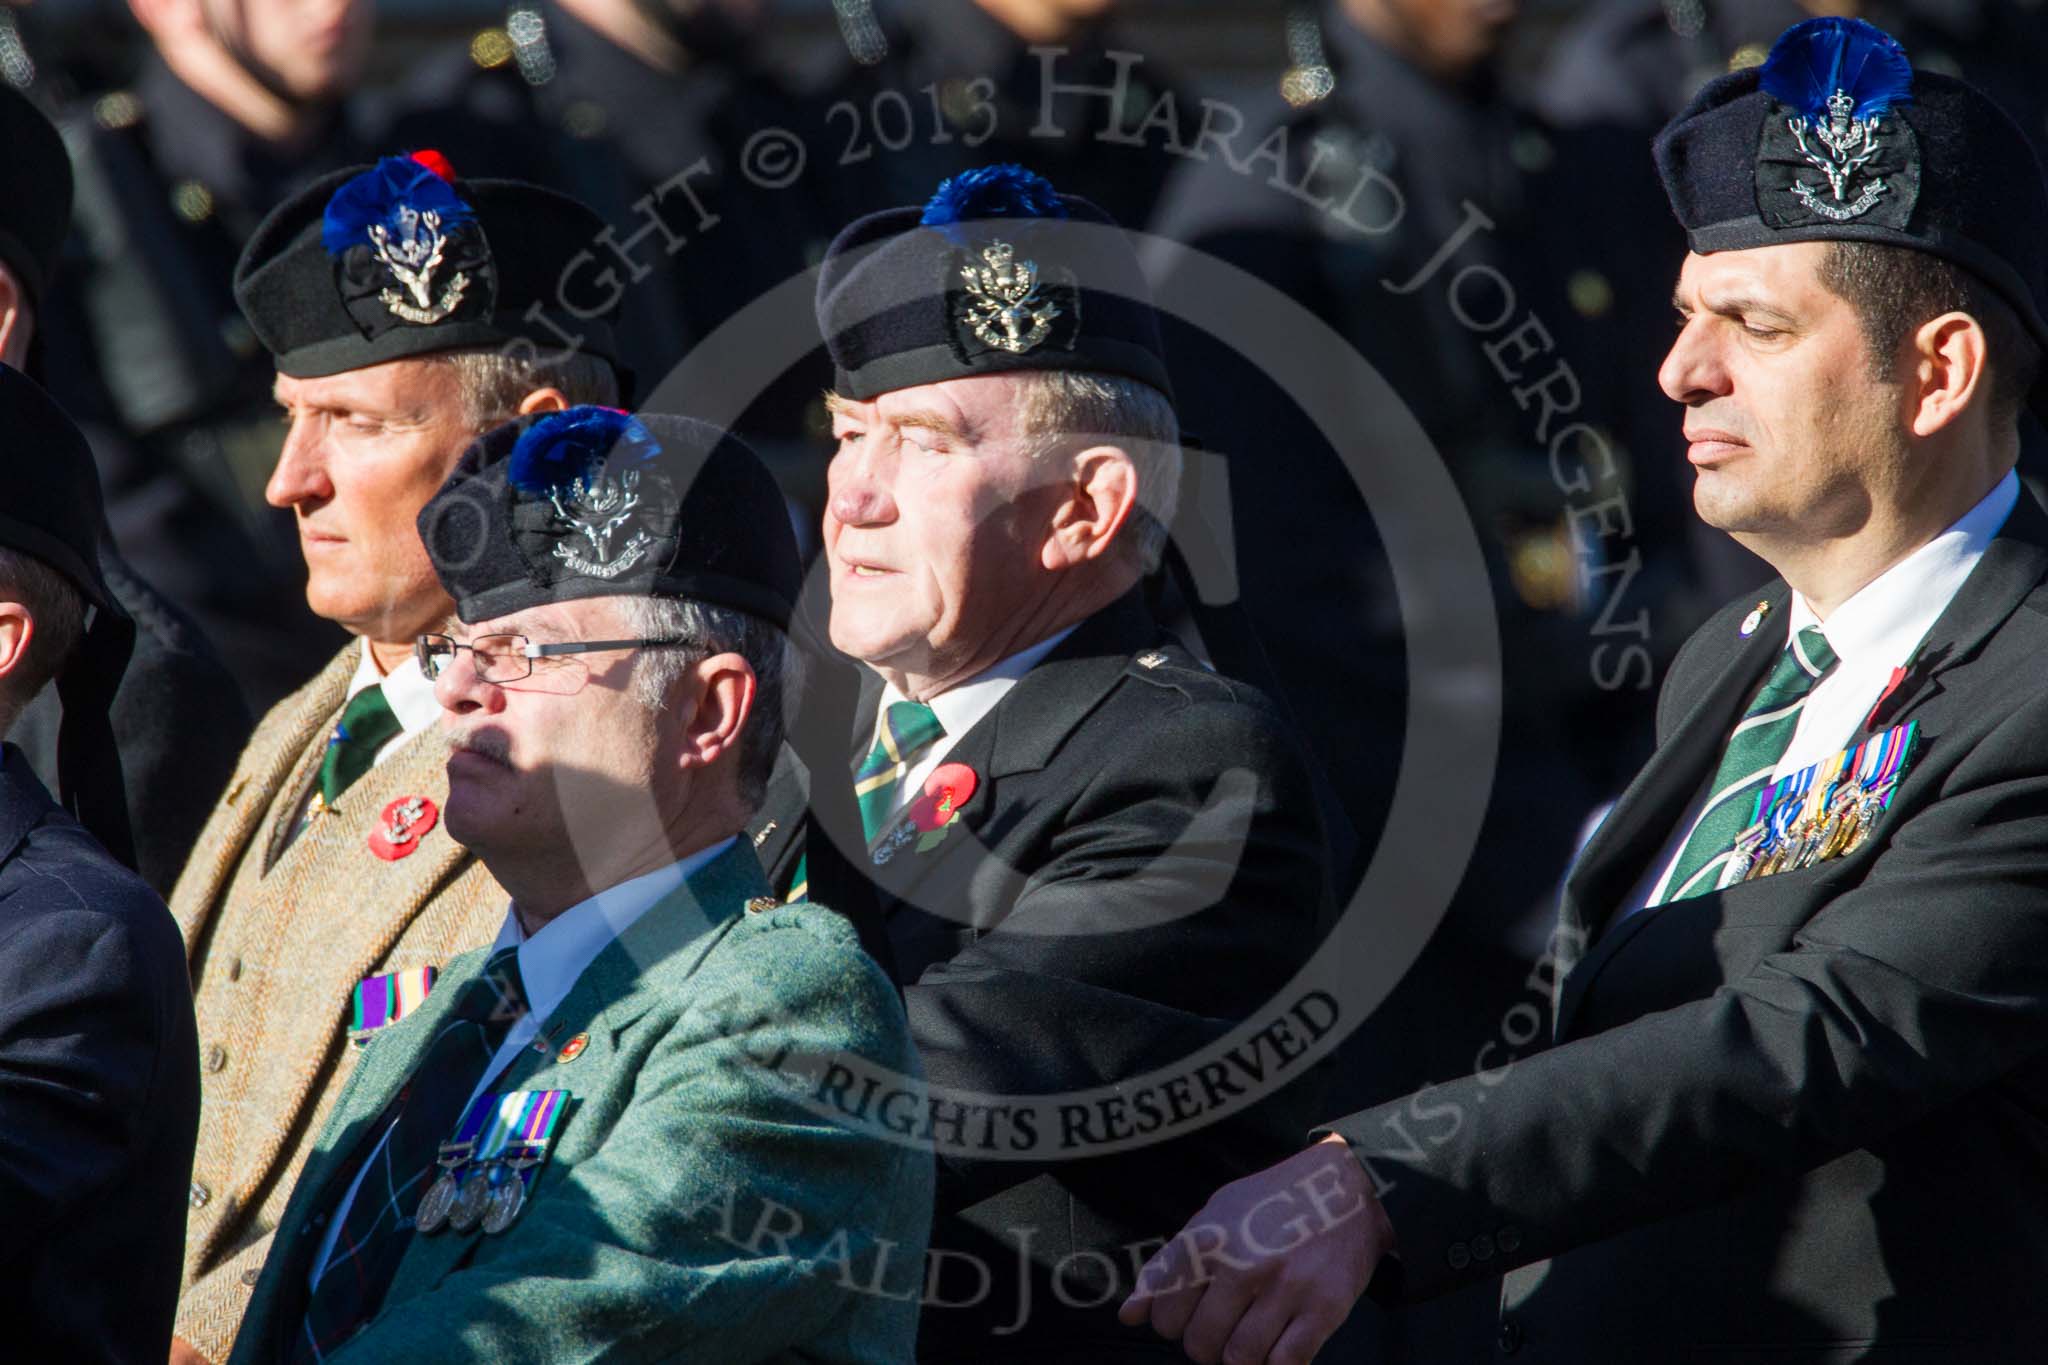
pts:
pixel 908 728
pixel 1753 751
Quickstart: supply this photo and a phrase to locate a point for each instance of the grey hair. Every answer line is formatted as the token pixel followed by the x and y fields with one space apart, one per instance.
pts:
pixel 777 665
pixel 490 384
pixel 57 609
pixel 1062 407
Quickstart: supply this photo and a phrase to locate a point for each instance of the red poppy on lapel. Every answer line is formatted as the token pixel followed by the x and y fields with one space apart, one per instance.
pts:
pixel 945 792
pixel 404 823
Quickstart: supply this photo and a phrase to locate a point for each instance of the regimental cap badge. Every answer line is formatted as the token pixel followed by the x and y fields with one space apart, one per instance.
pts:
pixel 595 502
pixel 407 246
pixel 587 494
pixel 1002 300
pixel 1004 306
pixel 1831 150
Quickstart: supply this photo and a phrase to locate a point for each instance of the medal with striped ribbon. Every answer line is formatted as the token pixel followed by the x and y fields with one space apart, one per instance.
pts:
pixel 381 1001
pixel 487 1168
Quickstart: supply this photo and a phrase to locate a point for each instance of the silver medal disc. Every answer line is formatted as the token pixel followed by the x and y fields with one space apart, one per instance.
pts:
pixel 436 1202
pixel 507 1201
pixel 469 1203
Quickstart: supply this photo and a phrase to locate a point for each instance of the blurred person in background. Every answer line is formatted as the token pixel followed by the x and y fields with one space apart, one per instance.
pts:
pixel 974 91
pixel 642 110
pixel 235 102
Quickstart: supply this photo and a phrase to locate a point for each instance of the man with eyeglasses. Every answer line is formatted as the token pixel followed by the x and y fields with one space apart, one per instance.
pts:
pixel 597 1137
pixel 408 311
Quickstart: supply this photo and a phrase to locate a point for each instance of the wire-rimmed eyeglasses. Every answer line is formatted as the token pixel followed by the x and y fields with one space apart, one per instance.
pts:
pixel 508 658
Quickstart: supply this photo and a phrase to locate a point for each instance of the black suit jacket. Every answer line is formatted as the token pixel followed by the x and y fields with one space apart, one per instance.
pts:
pixel 1139 869
pixel 99 1092
pixel 1803 1119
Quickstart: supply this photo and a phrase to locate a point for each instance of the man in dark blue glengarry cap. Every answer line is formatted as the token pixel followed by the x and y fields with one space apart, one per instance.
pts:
pixel 1792 1107
pixel 1094 856
pixel 612 692
pixel 99 1065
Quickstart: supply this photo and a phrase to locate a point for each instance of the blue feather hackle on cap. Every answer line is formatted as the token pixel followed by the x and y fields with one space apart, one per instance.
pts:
pixel 377 195
pixel 1815 58
pixel 563 447
pixel 1004 191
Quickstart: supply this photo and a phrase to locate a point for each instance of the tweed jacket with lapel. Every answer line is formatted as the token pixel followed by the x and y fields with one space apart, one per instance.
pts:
pixel 1800 1119
pixel 1139 868
pixel 644 1237
pixel 278 934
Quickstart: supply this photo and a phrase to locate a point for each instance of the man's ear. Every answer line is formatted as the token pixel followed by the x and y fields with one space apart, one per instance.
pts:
pixel 1951 361
pixel 17 630
pixel 544 400
pixel 1100 496
pixel 17 321
pixel 724 689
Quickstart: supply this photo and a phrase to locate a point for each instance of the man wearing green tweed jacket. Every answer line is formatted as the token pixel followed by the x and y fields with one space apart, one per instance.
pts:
pixel 596 1139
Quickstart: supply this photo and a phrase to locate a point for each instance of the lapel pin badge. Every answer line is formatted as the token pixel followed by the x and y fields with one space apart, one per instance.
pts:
pixel 1754 619
pixel 573 1049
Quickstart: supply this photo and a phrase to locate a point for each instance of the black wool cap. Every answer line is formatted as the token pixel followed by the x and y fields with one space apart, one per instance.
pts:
pixel 50 507
pixel 35 192
pixel 998 272
pixel 50 510
pixel 402 258
pixel 593 502
pixel 1837 138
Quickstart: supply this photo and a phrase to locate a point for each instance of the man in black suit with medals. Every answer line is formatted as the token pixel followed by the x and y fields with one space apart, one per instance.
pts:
pixel 99 1062
pixel 1793 1109
pixel 1094 857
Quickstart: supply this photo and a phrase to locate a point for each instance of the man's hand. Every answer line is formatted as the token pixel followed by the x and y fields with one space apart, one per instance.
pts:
pixel 184 1352
pixel 1271 1265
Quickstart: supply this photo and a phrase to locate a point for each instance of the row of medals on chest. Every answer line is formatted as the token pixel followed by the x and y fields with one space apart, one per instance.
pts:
pixel 1818 831
pixel 491 1193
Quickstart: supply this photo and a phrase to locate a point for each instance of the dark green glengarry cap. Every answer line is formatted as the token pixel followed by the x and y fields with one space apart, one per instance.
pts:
pixel 998 272
pixel 593 502
pixel 404 259
pixel 1837 138
pixel 35 192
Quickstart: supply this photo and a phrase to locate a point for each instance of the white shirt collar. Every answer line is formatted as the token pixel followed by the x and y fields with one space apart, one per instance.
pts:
pixel 961 707
pixel 1888 617
pixel 407 690
pixel 551 960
